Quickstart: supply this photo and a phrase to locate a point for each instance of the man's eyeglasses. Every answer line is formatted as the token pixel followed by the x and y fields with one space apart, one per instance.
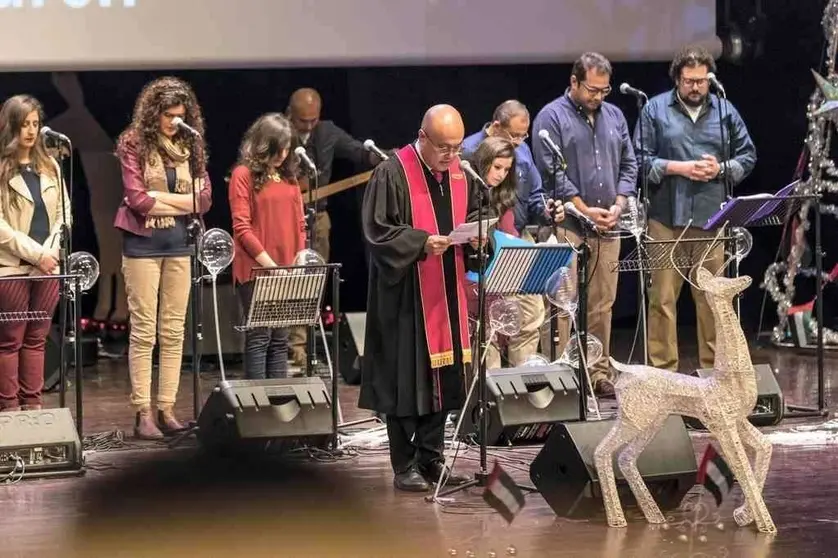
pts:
pixel 690 82
pixel 441 147
pixel 516 138
pixel 594 91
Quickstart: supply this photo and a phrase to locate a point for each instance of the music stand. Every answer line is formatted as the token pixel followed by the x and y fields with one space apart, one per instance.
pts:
pixel 762 211
pixel 657 255
pixel 515 270
pixel 288 296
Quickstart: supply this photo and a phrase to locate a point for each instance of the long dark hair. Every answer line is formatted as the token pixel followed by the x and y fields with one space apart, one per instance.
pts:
pixel 12 116
pixel 502 196
pixel 265 139
pixel 155 98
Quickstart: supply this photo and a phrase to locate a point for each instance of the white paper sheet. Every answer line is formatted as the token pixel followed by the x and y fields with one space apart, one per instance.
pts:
pixel 466 231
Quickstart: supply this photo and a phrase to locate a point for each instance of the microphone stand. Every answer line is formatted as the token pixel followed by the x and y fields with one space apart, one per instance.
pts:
pixel 643 196
pixel 64 250
pixel 481 477
pixel 728 187
pixel 310 220
pixel 193 233
pixel 555 166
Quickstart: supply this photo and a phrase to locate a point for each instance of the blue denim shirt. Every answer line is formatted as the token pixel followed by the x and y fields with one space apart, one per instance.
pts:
pixel 600 158
pixel 529 208
pixel 669 134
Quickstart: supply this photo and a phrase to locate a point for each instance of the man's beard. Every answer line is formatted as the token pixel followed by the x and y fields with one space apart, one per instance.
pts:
pixel 694 104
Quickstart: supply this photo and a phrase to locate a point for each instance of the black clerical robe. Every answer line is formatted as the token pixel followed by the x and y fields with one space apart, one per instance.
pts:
pixel 397 377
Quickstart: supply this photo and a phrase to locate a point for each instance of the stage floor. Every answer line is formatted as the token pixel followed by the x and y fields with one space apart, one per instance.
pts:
pixel 143 499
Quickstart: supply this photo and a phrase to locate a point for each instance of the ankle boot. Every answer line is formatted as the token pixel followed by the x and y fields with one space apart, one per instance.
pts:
pixel 144 428
pixel 167 422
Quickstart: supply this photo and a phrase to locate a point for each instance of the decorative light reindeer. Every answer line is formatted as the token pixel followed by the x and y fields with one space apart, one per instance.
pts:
pixel 647 396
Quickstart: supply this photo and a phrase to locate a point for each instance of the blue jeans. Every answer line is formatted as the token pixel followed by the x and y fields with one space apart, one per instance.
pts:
pixel 265 349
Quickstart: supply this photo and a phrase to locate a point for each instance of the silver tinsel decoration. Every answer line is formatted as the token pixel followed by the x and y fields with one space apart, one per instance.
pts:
pixel 823 175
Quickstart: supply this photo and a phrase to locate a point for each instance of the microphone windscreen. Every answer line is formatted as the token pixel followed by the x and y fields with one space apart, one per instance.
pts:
pixel 543 134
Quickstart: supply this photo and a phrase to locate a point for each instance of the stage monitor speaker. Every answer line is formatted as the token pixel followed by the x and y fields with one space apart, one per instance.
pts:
pixel 351 349
pixel 525 403
pixel 564 472
pixel 241 414
pixel 229 316
pixel 39 444
pixel 770 406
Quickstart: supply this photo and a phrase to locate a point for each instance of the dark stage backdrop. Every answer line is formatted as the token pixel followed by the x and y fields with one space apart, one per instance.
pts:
pixel 386 104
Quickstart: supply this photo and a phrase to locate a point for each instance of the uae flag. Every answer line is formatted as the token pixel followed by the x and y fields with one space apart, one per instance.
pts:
pixel 503 494
pixel 715 475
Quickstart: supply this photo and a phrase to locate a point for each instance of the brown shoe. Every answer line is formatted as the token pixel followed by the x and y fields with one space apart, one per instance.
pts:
pixel 167 422
pixel 144 428
pixel 30 407
pixel 604 389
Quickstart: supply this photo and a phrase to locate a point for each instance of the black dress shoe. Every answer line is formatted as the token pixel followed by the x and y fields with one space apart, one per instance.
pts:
pixel 431 473
pixel 411 481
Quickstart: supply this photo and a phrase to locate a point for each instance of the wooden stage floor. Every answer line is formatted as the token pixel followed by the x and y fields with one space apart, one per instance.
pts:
pixel 143 499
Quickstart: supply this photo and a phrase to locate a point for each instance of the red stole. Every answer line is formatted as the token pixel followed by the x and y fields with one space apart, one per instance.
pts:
pixel 432 287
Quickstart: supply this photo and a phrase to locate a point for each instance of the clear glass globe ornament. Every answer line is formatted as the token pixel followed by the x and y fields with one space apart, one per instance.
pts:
pixel 743 242
pixel 86 266
pixel 308 257
pixel 633 218
pixel 505 317
pixel 537 359
pixel 571 355
pixel 561 291
pixel 216 250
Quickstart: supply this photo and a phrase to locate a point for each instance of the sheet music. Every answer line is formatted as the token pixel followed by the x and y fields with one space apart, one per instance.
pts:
pixel 467 231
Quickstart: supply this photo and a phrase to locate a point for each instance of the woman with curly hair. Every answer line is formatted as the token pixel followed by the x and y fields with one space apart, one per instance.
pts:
pixel 31 218
pixel 268 228
pixel 164 176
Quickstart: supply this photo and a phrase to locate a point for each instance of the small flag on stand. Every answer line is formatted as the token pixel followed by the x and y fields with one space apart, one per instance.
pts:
pixel 503 494
pixel 715 475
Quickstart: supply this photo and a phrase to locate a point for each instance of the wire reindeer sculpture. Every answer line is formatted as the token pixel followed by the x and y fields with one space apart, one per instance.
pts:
pixel 646 396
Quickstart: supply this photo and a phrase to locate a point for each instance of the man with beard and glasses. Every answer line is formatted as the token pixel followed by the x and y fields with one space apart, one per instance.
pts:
pixel 686 170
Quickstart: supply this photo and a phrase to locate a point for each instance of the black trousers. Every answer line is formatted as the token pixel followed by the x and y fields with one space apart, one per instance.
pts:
pixel 416 441
pixel 265 349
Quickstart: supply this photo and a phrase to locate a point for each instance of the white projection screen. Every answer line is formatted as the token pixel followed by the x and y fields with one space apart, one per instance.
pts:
pixel 160 34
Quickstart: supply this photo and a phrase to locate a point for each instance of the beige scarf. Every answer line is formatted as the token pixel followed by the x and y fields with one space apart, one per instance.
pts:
pixel 154 176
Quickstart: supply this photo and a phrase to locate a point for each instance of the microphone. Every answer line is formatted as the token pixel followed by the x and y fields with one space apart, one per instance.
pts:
pixel 714 81
pixel 46 131
pixel 627 89
pixel 369 145
pixel 551 145
pixel 301 153
pixel 466 166
pixel 178 121
pixel 571 209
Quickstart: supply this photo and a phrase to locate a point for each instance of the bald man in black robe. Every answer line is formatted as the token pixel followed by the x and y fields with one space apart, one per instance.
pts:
pixel 416 341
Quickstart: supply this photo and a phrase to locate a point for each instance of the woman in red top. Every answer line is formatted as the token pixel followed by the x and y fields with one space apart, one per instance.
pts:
pixel 268 228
